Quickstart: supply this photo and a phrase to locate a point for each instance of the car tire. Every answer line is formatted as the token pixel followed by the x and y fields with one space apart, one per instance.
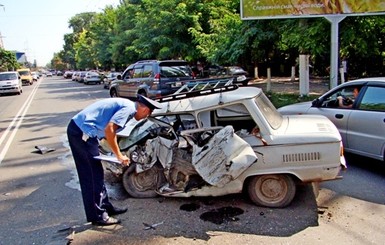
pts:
pixel 272 190
pixel 113 93
pixel 141 185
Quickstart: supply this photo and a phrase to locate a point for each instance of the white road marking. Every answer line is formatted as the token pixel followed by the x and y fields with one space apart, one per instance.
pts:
pixel 18 119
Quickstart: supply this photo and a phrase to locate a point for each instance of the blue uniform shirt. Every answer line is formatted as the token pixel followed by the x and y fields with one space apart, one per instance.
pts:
pixel 93 119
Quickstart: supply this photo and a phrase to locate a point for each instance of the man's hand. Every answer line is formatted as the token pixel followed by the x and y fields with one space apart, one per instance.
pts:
pixel 110 132
pixel 124 160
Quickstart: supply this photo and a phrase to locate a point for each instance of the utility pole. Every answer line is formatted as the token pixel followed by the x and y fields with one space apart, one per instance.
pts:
pixel 1 41
pixel 1 37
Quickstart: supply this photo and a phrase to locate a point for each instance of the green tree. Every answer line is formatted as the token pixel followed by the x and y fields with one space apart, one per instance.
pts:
pixel 78 23
pixel 101 33
pixel 122 52
pixel 67 55
pixel 85 54
pixel 57 63
pixel 8 61
pixel 212 31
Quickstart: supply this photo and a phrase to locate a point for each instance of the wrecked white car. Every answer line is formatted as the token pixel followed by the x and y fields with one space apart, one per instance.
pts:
pixel 221 141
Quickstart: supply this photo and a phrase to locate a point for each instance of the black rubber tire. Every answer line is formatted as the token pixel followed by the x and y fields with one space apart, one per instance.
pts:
pixel 272 190
pixel 113 93
pixel 142 185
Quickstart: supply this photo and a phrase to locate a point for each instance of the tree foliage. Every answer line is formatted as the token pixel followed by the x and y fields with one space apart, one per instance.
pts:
pixel 8 60
pixel 211 31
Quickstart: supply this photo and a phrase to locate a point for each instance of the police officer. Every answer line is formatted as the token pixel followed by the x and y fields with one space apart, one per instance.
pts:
pixel 102 119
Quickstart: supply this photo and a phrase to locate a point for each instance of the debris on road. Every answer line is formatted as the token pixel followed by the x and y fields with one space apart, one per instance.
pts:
pixel 151 227
pixel 43 149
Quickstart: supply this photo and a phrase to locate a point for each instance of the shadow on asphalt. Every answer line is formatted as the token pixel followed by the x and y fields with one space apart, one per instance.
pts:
pixel 185 217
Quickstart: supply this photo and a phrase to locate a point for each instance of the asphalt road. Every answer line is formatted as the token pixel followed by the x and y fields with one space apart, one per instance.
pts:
pixel 40 201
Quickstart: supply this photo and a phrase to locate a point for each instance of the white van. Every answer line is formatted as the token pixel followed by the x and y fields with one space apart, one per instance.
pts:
pixel 10 83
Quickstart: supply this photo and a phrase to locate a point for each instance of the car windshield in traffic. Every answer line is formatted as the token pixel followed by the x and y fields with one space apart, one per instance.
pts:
pixel 22 73
pixel 8 76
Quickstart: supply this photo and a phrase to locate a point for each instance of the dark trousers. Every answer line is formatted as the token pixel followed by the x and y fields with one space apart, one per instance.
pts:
pixel 90 172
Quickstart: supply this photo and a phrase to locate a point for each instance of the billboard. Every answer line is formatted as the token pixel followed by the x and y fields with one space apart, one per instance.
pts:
pixel 269 9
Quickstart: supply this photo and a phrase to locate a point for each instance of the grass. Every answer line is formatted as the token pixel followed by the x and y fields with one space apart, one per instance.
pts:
pixel 280 99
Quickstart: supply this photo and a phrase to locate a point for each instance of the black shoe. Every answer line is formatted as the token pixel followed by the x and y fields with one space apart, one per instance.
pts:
pixel 108 221
pixel 116 211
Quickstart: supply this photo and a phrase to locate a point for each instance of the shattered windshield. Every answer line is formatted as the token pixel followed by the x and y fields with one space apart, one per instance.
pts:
pixel 273 117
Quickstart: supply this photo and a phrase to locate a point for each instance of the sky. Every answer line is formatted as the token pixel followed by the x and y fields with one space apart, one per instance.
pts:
pixel 37 27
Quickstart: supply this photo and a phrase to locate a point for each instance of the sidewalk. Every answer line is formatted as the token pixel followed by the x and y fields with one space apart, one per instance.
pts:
pixel 317 86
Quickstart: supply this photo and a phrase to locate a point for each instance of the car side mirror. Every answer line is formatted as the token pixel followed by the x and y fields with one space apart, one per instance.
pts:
pixel 119 77
pixel 316 103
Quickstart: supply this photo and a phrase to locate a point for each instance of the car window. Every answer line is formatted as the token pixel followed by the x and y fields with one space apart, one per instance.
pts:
pixel 128 74
pixel 137 72
pixel 147 71
pixel 373 99
pixel 175 71
pixel 233 110
pixel 331 101
pixel 273 117
pixel 236 115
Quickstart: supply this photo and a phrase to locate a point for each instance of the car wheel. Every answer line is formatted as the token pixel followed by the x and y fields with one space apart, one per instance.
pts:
pixel 141 185
pixel 272 190
pixel 113 93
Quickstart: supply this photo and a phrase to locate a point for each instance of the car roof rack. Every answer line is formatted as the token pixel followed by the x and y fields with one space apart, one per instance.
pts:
pixel 201 88
pixel 204 84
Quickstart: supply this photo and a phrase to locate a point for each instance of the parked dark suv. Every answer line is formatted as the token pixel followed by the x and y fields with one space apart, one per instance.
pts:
pixel 151 78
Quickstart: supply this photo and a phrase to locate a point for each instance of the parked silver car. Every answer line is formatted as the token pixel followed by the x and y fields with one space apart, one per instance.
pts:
pixel 357 109
pixel 92 77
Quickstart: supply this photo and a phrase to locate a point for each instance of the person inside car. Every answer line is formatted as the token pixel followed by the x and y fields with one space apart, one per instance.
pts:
pixel 346 102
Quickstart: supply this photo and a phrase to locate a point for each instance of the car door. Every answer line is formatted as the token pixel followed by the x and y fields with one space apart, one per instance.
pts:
pixel 329 108
pixel 131 81
pixel 366 124
pixel 339 117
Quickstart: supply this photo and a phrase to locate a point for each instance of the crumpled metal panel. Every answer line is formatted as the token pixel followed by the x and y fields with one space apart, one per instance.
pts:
pixel 157 149
pixel 224 158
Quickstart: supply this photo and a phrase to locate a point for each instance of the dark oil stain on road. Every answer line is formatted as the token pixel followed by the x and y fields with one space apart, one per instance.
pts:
pixel 189 207
pixel 221 215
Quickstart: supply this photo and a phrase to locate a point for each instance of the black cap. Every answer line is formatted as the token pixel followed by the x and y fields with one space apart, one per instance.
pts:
pixel 152 104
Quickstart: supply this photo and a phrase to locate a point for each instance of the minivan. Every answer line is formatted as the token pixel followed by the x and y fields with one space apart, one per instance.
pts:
pixel 10 83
